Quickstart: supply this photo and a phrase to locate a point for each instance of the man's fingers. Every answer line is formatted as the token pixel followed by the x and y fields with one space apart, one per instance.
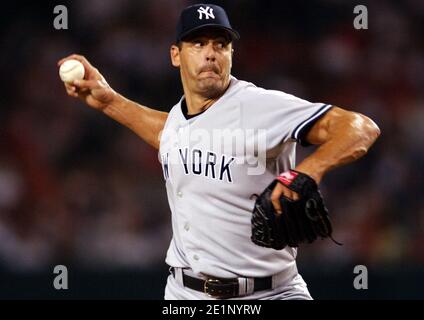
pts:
pixel 78 57
pixel 279 191
pixel 275 199
pixel 61 61
pixel 69 87
pixel 71 90
pixel 294 196
pixel 86 84
pixel 289 194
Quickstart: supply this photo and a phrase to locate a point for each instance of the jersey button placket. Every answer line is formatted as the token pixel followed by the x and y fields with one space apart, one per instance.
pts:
pixel 186 226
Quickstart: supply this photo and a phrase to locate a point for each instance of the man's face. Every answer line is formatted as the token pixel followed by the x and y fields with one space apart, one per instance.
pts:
pixel 205 60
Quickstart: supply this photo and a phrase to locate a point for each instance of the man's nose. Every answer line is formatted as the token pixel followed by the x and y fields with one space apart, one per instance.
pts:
pixel 210 52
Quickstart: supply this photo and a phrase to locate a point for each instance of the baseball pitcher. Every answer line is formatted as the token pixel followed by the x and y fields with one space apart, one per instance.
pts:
pixel 240 204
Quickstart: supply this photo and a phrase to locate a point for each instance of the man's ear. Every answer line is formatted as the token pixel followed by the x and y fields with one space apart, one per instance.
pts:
pixel 175 56
pixel 232 56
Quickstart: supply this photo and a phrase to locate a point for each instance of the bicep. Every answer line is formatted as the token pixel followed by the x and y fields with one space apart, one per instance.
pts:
pixel 320 132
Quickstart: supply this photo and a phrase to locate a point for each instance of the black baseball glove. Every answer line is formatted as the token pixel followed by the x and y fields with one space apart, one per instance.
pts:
pixel 302 221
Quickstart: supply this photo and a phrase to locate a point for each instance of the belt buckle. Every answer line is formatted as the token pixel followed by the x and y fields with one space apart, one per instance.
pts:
pixel 228 289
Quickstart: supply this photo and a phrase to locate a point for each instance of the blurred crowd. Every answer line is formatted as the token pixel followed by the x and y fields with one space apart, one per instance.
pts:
pixel 76 187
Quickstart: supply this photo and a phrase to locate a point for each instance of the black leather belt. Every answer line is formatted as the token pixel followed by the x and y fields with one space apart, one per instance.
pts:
pixel 222 288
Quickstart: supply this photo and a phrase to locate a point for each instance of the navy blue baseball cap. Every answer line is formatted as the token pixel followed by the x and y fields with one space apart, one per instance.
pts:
pixel 199 16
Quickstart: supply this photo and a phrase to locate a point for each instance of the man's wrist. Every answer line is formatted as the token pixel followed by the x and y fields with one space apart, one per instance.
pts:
pixel 312 172
pixel 116 102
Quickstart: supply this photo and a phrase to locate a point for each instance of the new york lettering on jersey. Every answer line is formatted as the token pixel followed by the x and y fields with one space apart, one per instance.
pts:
pixel 201 162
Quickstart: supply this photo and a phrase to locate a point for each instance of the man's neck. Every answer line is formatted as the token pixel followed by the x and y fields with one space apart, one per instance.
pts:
pixel 197 103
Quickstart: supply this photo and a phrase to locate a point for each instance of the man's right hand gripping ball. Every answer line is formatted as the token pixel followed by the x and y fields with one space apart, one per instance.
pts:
pixel 93 89
pixel 301 221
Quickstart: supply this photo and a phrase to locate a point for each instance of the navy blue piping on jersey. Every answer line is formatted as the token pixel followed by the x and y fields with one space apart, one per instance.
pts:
pixel 185 110
pixel 302 128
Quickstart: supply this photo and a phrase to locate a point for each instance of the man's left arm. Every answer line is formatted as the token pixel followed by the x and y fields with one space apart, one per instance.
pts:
pixel 343 136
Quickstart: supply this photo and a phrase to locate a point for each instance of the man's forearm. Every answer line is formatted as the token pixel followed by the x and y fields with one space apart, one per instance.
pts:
pixel 147 123
pixel 349 139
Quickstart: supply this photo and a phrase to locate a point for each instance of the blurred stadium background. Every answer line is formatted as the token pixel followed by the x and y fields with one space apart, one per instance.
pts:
pixel 78 189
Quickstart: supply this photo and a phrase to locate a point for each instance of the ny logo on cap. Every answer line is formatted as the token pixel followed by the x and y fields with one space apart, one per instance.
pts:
pixel 208 12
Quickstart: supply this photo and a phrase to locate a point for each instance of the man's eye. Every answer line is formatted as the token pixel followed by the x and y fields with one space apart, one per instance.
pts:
pixel 198 43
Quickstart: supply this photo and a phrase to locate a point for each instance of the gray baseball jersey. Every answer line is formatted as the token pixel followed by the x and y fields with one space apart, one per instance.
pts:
pixel 214 162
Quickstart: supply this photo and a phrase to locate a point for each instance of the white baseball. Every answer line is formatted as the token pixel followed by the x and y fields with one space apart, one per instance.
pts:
pixel 71 70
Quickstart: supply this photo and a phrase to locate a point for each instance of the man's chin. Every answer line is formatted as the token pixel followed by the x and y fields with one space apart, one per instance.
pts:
pixel 211 88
